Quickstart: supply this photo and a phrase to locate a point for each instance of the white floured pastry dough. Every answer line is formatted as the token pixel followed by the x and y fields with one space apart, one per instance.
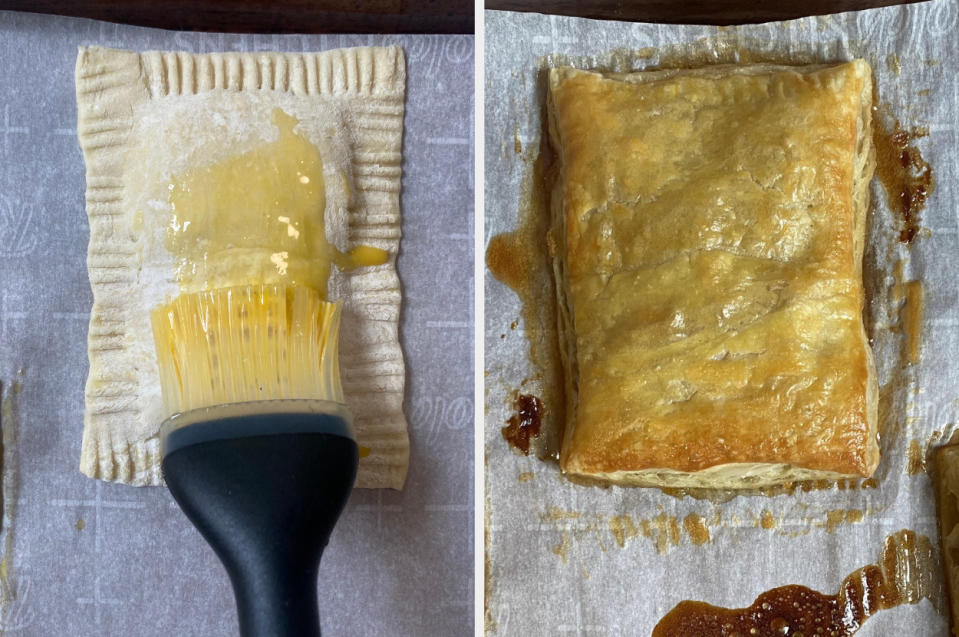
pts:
pixel 143 118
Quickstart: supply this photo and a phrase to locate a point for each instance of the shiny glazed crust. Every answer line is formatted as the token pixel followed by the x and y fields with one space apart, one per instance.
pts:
pixel 709 228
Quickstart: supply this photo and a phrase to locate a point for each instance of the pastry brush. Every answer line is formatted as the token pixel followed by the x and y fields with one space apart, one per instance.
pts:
pixel 258 448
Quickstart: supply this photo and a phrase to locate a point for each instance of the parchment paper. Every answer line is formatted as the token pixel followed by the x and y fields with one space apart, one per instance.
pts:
pixel 563 558
pixel 85 558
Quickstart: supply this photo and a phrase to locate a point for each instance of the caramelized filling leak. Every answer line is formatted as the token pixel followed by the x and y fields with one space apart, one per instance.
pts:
pixel 904 574
pixel 905 175
pixel 521 260
pixel 525 424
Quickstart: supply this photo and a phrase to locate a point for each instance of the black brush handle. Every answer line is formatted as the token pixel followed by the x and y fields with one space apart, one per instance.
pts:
pixel 267 505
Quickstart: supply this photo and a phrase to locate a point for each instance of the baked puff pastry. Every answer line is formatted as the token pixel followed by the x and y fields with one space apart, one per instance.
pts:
pixel 708 237
pixel 144 121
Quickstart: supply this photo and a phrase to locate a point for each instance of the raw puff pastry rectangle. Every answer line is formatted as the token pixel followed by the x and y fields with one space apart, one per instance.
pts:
pixel 146 115
pixel 708 236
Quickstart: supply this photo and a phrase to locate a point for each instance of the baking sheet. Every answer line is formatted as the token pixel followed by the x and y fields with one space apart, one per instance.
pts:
pixel 593 573
pixel 82 557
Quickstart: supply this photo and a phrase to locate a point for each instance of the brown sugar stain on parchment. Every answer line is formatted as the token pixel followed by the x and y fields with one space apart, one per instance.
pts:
pixel 623 529
pixel 520 259
pixel 664 531
pixel 905 175
pixel 905 573
pixel 915 458
pixel 696 529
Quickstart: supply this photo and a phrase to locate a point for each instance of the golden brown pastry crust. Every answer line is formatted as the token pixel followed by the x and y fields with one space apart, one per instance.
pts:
pixel 710 227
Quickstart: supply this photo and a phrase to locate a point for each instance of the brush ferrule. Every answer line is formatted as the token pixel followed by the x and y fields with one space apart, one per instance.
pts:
pixel 255 418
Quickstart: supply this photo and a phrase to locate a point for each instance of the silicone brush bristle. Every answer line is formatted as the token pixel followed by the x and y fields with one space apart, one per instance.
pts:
pixel 248 343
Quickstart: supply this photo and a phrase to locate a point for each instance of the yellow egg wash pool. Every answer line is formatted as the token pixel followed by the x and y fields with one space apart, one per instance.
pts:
pixel 252 260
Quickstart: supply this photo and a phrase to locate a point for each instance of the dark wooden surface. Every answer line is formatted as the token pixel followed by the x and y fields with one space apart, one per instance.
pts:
pixel 266 16
pixel 689 11
pixel 415 16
